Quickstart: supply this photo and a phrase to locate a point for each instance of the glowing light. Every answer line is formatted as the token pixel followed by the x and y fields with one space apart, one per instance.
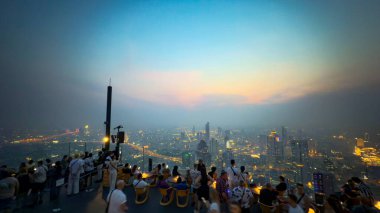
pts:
pixel 377 204
pixel 106 139
pixel 86 126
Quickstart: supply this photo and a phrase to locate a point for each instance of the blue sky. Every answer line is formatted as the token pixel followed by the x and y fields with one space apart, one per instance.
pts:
pixel 173 60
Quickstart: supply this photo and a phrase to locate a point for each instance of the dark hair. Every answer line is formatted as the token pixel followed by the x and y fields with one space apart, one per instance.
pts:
pixel 139 176
pixel 292 197
pixel 40 163
pixel 179 180
pixel 242 169
pixel 232 162
pixel 213 169
pixel 356 179
pixel 223 172
pixel 281 187
pixel 282 178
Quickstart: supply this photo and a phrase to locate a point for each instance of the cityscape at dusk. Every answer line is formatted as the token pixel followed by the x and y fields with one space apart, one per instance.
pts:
pixel 282 96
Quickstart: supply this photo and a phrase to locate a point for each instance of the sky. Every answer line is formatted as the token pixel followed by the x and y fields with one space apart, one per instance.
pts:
pixel 183 63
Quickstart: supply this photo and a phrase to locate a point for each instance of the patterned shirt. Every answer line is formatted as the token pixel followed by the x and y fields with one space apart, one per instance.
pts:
pixel 242 195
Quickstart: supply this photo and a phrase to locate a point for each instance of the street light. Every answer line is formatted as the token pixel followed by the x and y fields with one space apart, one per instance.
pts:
pixel 144 147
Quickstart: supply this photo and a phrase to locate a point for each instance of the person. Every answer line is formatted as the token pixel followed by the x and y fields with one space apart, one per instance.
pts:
pixel 293 206
pixel 56 175
pixel 365 191
pixel 112 170
pixel 24 185
pixel 243 176
pixel 30 164
pixel 222 189
pixel 234 207
pixel 75 168
pixel 242 195
pixel 157 170
pixel 267 195
pixel 39 180
pixel 180 185
pixel 214 202
pixel 64 163
pixel 194 173
pixel 99 166
pixel 127 169
pixel 175 172
pixel 117 200
pixel 135 170
pixel 350 194
pixel 302 199
pixel 334 205
pixel 213 173
pixel 9 187
pixel 88 169
pixel 365 207
pixel 139 182
pixel 203 191
pixel 233 175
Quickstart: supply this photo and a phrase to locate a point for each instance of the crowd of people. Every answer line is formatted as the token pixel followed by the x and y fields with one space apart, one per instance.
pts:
pixel 227 190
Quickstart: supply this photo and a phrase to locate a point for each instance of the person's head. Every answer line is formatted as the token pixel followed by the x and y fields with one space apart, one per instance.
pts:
pixel 195 166
pixel 223 175
pixel 134 168
pixel 213 169
pixel 57 164
pixel 163 165
pixel 282 179
pixel 126 165
pixel 90 155
pixel 22 165
pixel 242 169
pixel 159 166
pixel 232 162
pixel 139 176
pixel 48 161
pixel 281 187
pixel 356 180
pixel 200 161
pixel 160 178
pixel 30 162
pixel 292 200
pixel 120 184
pixel 268 186
pixel 64 157
pixel 40 163
pixel 300 189
pixel 241 183
pixel 175 168
pixel 179 180
pixel 234 207
pixel 76 155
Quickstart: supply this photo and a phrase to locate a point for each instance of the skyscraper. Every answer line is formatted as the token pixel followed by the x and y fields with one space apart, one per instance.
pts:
pixel 274 150
pixel 207 135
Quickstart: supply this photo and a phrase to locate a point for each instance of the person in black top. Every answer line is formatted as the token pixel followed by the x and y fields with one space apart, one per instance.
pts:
pixel 212 173
pixel 267 195
pixel 175 172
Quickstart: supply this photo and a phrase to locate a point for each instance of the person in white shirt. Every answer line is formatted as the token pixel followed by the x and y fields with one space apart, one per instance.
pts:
pixel 194 174
pixel 88 168
pixel 242 195
pixel 139 182
pixel 39 180
pixel 233 175
pixel 243 176
pixel 112 169
pixel 293 206
pixel 116 199
pixel 75 168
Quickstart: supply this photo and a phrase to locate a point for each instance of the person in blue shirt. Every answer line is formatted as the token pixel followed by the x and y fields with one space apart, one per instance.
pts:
pixel 180 185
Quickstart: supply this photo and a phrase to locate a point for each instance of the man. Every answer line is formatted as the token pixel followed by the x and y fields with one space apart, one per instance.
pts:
pixel 139 182
pixel 267 195
pixel 302 199
pixel 233 175
pixel 242 195
pixel 117 200
pixel 222 189
pixel 212 173
pixel 39 178
pixel 75 168
pixel 293 206
pixel 9 187
pixel 99 166
pixel 88 169
pixel 112 170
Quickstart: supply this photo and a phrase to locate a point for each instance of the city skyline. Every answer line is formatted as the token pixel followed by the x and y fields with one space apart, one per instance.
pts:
pixel 302 64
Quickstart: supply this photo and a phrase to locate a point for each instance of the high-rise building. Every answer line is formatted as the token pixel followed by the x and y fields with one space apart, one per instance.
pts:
pixel 183 136
pixel 203 152
pixel 187 159
pixel 360 142
pixel 274 144
pixel 284 135
pixel 324 183
pixel 214 147
pixel 193 131
pixel 220 131
pixel 300 150
pixel 207 132
pixel 227 137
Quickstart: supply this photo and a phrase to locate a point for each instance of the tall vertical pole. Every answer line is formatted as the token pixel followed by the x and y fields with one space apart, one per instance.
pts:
pixel 143 159
pixel 108 119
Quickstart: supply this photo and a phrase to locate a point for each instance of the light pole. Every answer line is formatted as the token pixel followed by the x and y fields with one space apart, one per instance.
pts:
pixel 144 147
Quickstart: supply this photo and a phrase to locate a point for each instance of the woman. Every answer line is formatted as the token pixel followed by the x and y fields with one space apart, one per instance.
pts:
pixel 203 192
pixel 135 170
pixel 175 172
